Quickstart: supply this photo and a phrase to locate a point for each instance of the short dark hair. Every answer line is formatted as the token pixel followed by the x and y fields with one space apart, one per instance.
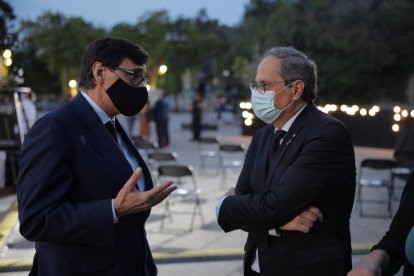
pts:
pixel 111 52
pixel 295 65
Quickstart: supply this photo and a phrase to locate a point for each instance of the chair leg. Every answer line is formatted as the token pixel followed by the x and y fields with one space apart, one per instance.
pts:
pixel 167 213
pixel 201 163
pixel 390 192
pixel 359 201
pixel 196 211
pixel 223 177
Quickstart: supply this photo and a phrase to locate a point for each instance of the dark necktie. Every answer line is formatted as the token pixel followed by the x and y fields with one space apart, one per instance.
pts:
pixel 274 145
pixel 110 126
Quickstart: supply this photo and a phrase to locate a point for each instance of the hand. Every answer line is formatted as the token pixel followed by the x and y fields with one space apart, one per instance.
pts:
pixel 304 222
pixel 371 264
pixel 230 192
pixel 130 200
pixel 364 271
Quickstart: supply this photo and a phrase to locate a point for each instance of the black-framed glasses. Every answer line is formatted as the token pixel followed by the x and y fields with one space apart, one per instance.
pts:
pixel 137 76
pixel 261 86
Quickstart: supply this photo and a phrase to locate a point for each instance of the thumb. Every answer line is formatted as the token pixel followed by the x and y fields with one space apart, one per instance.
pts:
pixel 132 181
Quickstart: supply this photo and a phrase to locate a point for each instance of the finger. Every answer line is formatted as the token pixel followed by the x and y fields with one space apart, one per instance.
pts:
pixel 309 216
pixel 132 181
pixel 317 212
pixel 161 195
pixel 308 223
pixel 303 228
pixel 158 190
pixel 165 193
pixel 161 187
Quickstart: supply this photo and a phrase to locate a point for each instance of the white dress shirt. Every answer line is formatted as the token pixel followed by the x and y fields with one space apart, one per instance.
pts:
pixel 129 156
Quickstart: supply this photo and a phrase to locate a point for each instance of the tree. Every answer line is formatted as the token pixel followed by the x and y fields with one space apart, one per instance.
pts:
pixel 149 32
pixel 6 14
pixel 361 47
pixel 59 43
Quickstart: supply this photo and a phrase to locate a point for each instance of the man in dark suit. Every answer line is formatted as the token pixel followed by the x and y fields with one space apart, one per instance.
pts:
pixel 84 192
pixel 297 168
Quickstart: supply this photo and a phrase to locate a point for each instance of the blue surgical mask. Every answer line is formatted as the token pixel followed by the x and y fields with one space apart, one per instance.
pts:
pixel 264 107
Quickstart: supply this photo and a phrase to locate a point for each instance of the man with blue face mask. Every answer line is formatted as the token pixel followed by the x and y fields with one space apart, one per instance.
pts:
pixel 297 168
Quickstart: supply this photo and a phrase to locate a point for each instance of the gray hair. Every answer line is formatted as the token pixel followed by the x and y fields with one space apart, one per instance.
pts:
pixel 295 65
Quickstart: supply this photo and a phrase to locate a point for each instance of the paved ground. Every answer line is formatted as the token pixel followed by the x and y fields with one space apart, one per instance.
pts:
pixel 206 250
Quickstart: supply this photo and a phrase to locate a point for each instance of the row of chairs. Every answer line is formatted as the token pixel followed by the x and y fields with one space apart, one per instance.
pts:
pixel 164 167
pixel 383 174
pixel 225 156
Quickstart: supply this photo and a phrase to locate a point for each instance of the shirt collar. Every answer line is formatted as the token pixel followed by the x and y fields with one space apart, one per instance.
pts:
pixel 101 114
pixel 289 123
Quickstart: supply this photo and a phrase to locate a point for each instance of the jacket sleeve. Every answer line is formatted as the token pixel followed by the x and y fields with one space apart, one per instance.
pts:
pixel 45 180
pixel 393 241
pixel 325 161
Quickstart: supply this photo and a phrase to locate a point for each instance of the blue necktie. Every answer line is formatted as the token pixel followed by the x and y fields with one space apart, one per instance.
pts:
pixel 111 129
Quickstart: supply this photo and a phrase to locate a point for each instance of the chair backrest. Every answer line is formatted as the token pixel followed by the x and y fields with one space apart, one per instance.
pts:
pixel 231 148
pixel 175 170
pixel 378 164
pixel 376 172
pixel 145 144
pixel 208 140
pixel 404 158
pixel 159 156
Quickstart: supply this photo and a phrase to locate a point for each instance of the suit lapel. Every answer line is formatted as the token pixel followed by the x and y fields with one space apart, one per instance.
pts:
pixel 141 162
pixel 98 136
pixel 289 139
pixel 264 148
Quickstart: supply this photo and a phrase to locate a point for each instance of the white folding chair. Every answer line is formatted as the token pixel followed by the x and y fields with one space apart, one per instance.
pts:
pixel 186 193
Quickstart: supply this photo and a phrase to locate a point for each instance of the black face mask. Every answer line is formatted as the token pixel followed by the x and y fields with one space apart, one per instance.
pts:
pixel 127 99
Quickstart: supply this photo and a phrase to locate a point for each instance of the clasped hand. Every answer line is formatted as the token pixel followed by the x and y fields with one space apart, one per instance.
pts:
pixel 302 222
pixel 130 200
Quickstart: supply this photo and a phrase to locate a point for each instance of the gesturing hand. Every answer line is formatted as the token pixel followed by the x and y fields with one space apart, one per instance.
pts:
pixel 304 221
pixel 130 200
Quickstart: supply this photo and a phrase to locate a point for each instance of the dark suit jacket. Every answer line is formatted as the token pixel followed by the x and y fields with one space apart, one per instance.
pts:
pixel 394 240
pixel 315 165
pixel 70 169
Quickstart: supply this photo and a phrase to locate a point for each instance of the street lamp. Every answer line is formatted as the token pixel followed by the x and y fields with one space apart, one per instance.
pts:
pixel 5 63
pixel 162 70
pixel 72 86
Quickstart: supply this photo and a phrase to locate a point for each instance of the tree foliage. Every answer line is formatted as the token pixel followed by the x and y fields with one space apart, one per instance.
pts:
pixel 59 42
pixel 362 48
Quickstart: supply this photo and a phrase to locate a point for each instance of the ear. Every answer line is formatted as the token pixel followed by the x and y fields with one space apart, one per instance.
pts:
pixel 97 71
pixel 298 87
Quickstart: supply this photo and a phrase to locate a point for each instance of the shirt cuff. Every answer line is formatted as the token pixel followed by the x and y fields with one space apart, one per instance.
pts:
pixel 114 217
pixel 275 232
pixel 218 206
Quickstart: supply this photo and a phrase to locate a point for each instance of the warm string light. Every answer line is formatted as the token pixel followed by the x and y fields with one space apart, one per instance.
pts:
pixel 247 114
pixel 399 113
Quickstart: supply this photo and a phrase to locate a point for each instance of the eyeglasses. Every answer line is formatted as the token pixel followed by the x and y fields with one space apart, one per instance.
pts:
pixel 137 76
pixel 261 86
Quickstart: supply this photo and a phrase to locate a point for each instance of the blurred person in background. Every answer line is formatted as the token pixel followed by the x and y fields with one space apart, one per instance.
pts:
pixel 197 116
pixel 145 122
pixel 160 114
